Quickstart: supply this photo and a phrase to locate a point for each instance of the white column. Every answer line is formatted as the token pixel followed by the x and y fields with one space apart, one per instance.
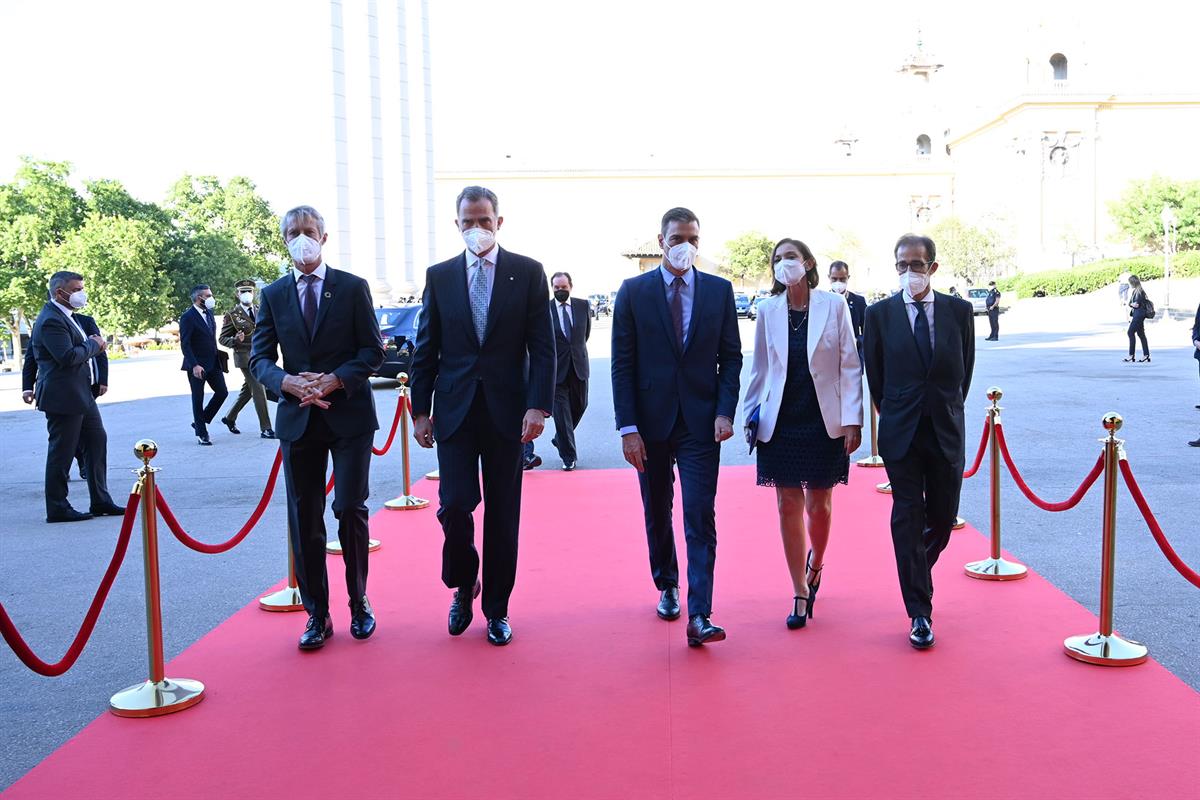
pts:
pixel 409 285
pixel 380 288
pixel 428 77
pixel 341 154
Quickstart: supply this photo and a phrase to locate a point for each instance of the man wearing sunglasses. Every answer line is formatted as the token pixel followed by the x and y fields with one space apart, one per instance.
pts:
pixel 919 349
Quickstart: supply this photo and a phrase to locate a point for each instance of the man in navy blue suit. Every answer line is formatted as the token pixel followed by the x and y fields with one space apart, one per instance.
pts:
pixel 1196 355
pixel 198 340
pixel 676 364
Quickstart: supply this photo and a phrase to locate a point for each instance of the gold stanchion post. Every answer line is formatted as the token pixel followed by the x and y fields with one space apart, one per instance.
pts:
pixel 159 695
pixel 873 460
pixel 1105 647
pixel 406 501
pixel 995 568
pixel 287 598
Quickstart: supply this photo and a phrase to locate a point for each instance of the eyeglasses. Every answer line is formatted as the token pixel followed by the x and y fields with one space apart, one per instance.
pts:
pixel 919 267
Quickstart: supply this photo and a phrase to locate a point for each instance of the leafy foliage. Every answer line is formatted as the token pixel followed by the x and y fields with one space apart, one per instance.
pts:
pixel 1138 212
pixel 974 253
pixel 747 258
pixel 1098 274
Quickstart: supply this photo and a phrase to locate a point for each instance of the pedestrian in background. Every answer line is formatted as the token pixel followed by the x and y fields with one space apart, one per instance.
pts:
pixel 839 283
pixel 992 303
pixel 202 360
pixel 237 328
pixel 1140 307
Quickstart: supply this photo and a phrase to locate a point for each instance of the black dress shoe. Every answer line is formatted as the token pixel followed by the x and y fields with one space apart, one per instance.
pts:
pixel 267 434
pixel 1195 443
pixel 109 510
pixel 499 632
pixel 668 603
pixel 362 619
pixel 701 631
pixel 461 612
pixel 70 515
pixel 568 466
pixel 204 441
pixel 316 632
pixel 530 463
pixel 233 428
pixel 921 635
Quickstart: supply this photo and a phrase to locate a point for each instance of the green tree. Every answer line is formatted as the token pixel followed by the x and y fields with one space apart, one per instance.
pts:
pixel 1138 212
pixel 747 258
pixel 210 259
pixel 235 211
pixel 119 259
pixel 970 251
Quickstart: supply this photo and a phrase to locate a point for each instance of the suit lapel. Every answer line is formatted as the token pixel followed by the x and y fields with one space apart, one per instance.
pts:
pixel 292 302
pixel 328 295
pixel 501 289
pixel 818 312
pixel 777 328
pixel 902 330
pixel 699 294
pixel 658 299
pixel 942 320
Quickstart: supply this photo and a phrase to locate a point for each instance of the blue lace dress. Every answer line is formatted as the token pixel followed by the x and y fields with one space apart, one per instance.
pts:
pixel 800 453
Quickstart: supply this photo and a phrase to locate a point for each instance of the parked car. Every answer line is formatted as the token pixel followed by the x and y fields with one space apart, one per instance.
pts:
pixel 742 303
pixel 600 305
pixel 398 330
pixel 978 298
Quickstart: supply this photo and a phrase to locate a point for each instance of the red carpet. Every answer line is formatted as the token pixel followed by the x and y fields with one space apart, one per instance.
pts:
pixel 597 698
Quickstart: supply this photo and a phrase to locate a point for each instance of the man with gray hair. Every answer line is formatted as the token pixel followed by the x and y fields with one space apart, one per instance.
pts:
pixel 63 393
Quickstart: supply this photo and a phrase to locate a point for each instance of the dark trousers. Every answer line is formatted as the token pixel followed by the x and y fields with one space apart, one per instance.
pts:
pixel 69 432
pixel 925 492
pixel 698 461
pixel 993 316
pixel 204 414
pixel 304 465
pixel 1137 327
pixel 477 445
pixel 251 389
pixel 570 401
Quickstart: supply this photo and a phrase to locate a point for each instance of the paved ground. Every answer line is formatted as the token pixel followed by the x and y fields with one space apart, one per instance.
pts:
pixel 1059 376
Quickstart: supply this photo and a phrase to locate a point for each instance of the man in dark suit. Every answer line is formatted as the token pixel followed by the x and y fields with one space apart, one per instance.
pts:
pixel 99 368
pixel 484 368
pixel 839 282
pixel 65 376
pixel 202 360
pixel 1196 355
pixel 572 318
pixel 323 320
pixel 992 305
pixel 237 331
pixel 920 353
pixel 676 363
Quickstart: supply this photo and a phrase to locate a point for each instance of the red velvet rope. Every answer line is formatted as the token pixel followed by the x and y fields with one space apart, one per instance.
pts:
pixel 987 425
pixel 1070 502
pixel 164 511
pixel 27 656
pixel 392 434
pixel 1183 569
pixel 329 486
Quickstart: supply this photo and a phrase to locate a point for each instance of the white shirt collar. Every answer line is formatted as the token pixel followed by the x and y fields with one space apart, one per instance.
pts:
pixel 489 257
pixel 70 312
pixel 669 277
pixel 319 272
pixel 908 298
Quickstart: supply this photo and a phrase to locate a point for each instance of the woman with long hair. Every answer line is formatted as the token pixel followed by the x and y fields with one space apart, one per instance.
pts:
pixel 1139 306
pixel 804 411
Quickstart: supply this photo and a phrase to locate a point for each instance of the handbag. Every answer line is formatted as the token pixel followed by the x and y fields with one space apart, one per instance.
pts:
pixel 752 429
pixel 1148 307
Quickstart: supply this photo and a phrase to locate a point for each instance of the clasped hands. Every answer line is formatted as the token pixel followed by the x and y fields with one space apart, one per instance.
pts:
pixel 310 387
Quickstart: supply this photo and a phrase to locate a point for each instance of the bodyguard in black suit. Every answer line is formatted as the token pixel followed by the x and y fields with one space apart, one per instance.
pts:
pixel 484 370
pixel 1196 355
pixel 920 353
pixel 65 376
pixel 676 364
pixel 839 282
pixel 202 360
pixel 323 321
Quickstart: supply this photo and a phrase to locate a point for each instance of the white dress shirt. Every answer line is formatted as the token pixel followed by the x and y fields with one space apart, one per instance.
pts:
pixel 318 284
pixel 910 305
pixel 558 317
pixel 488 260
pixel 687 293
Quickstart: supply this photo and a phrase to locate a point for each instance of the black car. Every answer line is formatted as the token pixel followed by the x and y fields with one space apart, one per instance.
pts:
pixel 398 330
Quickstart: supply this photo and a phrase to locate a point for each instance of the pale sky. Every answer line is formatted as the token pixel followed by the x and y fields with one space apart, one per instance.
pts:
pixel 143 91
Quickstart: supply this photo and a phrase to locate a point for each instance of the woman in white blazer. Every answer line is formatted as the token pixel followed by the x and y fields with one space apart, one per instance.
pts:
pixel 806 395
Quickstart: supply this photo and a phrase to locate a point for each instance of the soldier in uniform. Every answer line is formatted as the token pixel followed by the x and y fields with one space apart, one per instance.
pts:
pixel 236 331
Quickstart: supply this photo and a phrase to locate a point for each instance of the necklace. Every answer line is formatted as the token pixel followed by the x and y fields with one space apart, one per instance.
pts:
pixel 803 318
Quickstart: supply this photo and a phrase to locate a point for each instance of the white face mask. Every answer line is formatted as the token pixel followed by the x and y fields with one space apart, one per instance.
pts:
pixel 246 297
pixel 789 271
pixel 479 240
pixel 838 286
pixel 77 300
pixel 682 256
pixel 914 282
pixel 304 249
pixel 210 303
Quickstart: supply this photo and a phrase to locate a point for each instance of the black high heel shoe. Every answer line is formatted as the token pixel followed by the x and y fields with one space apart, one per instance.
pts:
pixel 813 587
pixel 795 619
pixel 1144 359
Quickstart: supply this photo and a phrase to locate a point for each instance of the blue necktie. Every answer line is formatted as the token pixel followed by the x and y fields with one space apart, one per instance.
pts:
pixel 566 322
pixel 479 300
pixel 921 334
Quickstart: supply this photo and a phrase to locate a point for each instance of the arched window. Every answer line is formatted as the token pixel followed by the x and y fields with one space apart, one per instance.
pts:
pixel 1058 62
pixel 923 145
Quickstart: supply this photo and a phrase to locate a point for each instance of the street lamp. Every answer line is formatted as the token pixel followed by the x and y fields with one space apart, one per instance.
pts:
pixel 1169 222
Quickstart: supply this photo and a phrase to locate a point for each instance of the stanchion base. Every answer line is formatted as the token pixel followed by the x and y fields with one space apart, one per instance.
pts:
pixel 406 502
pixel 1107 651
pixel 286 599
pixel 884 488
pixel 150 699
pixel 870 461
pixel 995 569
pixel 959 524
pixel 436 475
pixel 334 548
